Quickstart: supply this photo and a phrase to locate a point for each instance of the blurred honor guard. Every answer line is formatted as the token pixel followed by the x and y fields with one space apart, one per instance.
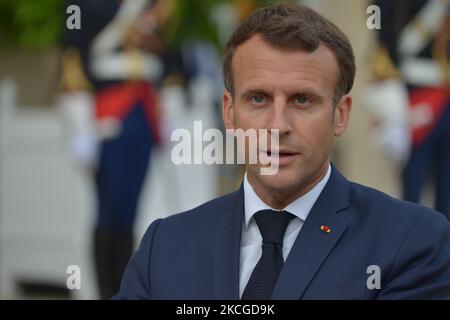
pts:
pixel 117 49
pixel 411 66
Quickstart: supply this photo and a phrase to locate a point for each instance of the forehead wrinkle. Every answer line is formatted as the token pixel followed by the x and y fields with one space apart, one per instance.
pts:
pixel 269 67
pixel 271 83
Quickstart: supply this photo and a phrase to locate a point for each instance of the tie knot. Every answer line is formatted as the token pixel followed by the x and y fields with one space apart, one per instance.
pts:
pixel 272 224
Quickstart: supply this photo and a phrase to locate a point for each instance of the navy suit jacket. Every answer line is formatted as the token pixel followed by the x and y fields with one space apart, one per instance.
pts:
pixel 195 254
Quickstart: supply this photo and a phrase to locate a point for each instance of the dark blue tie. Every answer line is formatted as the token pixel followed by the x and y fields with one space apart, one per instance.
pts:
pixel 272 225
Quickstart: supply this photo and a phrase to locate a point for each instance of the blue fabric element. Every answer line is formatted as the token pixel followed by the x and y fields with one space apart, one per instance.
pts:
pixel 121 171
pixel 431 158
pixel 196 254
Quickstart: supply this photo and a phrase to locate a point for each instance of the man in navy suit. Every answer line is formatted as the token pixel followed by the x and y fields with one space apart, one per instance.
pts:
pixel 304 232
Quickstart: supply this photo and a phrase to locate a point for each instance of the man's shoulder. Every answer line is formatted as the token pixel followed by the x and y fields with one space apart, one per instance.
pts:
pixel 378 205
pixel 204 213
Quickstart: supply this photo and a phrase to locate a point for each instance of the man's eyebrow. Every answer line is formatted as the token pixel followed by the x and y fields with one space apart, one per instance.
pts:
pixel 253 90
pixel 309 91
pixel 313 93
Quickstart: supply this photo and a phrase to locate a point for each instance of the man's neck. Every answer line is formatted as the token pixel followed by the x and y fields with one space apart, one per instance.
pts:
pixel 280 199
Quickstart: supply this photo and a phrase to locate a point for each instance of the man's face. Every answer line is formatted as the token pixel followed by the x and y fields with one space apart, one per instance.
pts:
pixel 292 91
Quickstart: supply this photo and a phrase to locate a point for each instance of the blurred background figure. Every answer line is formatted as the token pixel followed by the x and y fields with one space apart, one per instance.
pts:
pixel 116 51
pixel 411 94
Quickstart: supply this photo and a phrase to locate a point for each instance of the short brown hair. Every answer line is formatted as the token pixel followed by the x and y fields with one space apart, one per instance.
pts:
pixel 291 26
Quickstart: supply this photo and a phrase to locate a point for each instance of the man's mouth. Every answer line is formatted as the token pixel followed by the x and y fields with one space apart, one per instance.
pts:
pixel 282 156
pixel 281 153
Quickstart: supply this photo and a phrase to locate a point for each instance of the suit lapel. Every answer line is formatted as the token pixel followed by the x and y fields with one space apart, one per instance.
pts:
pixel 226 249
pixel 313 245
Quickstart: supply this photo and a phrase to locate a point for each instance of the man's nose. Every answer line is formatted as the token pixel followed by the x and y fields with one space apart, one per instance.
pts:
pixel 280 118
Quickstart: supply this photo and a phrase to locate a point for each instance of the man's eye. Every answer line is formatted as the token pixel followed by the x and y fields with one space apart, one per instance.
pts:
pixel 258 99
pixel 302 99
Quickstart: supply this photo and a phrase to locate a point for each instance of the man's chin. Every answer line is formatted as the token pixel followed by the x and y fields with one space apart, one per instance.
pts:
pixel 285 179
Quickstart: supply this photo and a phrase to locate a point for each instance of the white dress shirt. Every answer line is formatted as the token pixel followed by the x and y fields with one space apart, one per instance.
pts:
pixel 251 239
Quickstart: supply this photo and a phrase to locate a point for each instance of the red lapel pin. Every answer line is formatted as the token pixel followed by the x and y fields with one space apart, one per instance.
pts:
pixel 325 228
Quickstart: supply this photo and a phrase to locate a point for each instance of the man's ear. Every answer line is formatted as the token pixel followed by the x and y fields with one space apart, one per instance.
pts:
pixel 227 110
pixel 342 114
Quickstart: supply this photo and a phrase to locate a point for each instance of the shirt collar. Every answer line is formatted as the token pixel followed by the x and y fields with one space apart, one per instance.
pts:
pixel 300 207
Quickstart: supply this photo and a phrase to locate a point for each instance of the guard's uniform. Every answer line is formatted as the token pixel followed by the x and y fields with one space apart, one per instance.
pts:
pixel 126 111
pixel 415 34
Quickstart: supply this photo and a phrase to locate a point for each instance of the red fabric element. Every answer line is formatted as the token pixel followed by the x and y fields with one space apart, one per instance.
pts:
pixel 436 98
pixel 117 100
